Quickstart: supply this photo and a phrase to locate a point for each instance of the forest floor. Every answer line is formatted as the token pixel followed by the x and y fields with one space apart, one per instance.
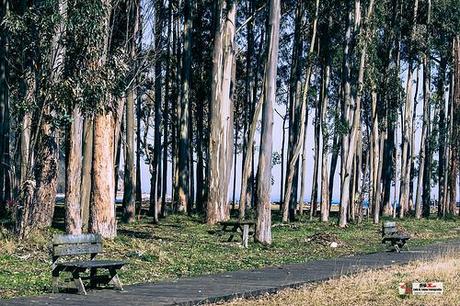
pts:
pixel 375 287
pixel 183 246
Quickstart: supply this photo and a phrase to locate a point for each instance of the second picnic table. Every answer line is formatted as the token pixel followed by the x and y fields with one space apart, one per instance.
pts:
pixel 242 228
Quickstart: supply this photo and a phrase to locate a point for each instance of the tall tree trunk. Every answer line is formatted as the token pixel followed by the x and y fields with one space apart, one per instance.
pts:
pixel 103 186
pixel 221 125
pixel 334 161
pixel 248 160
pixel 184 141
pixel 175 94
pixel 166 116
pixel 359 181
pixel 263 225
pixel 407 131
pixel 303 117
pixel 442 133
pixel 347 99
pixel 26 185
pixel 314 188
pixel 129 196
pixel 138 123
pixel 138 151
pixel 45 172
pixel 154 208
pixel 86 172
pixel 4 110
pixel 325 199
pixel 295 106
pixel 73 218
pixel 455 129
pixel 424 140
pixel 235 160
pixel 303 174
pixel 283 150
pixel 351 147
pixel 246 165
pixel 46 166
pixel 103 192
pixel 191 163
pixel 375 158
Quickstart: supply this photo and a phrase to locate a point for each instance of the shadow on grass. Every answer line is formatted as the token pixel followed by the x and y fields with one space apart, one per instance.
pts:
pixel 142 235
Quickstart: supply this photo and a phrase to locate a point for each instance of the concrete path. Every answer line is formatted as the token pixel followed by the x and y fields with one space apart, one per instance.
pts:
pixel 226 286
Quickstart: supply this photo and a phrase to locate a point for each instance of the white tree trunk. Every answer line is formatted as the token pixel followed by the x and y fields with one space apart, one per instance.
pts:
pixel 263 225
pixel 221 126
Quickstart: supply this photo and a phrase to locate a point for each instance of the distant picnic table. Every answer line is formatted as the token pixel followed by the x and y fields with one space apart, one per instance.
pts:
pixel 244 229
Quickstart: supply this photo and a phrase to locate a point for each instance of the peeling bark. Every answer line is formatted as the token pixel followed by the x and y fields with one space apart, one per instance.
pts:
pixel 263 225
pixel 221 124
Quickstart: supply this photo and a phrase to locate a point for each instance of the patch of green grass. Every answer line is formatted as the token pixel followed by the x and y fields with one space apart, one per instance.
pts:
pixel 182 246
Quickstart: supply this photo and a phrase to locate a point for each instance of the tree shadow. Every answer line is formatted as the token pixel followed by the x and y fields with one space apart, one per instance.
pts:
pixel 141 235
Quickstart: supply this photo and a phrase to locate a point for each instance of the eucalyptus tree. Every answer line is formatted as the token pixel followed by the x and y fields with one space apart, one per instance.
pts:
pixel 129 200
pixel 404 197
pixel 291 171
pixel 255 59
pixel 184 138
pixel 295 106
pixel 5 183
pixel 356 121
pixel 455 120
pixel 445 40
pixel 32 58
pixel 263 224
pixel 221 114
pixel 424 140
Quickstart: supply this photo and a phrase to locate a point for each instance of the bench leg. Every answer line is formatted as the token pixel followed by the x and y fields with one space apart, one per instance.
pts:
pixel 55 281
pixel 115 280
pixel 78 283
pixel 245 235
pixel 232 235
pixel 92 278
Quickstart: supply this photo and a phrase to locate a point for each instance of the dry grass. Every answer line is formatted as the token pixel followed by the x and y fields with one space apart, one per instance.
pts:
pixel 378 287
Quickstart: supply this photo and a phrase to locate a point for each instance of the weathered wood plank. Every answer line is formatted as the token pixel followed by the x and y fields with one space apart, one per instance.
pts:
pixel 388 231
pixel 245 235
pixel 76 249
pixel 389 224
pixel 88 264
pixel 79 284
pixel 75 239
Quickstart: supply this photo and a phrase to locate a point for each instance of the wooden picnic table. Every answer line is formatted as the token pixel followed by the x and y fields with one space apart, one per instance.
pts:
pixel 242 228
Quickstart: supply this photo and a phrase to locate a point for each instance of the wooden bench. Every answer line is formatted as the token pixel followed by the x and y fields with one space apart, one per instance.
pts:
pixel 242 228
pixel 391 234
pixel 86 244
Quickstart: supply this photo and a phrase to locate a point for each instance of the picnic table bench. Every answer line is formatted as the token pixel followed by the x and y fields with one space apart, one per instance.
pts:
pixel 81 245
pixel 395 237
pixel 244 229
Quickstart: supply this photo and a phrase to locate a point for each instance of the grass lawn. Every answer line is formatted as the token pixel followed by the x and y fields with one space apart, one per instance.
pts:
pixel 182 246
pixel 379 288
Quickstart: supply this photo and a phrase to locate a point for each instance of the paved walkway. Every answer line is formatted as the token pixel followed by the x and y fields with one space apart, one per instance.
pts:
pixel 225 286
